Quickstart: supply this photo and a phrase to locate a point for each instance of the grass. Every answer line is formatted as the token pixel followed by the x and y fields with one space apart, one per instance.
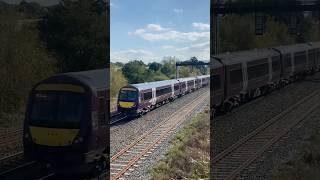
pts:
pixel 188 156
pixel 305 165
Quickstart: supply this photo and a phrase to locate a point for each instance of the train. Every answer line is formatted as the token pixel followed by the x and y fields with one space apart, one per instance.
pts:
pixel 67 122
pixel 138 99
pixel 239 77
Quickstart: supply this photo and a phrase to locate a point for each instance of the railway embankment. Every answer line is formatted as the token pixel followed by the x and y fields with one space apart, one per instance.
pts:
pixel 304 164
pixel 189 153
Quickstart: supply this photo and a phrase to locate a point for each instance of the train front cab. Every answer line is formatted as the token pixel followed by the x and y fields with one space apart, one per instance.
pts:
pixel 128 100
pixel 60 128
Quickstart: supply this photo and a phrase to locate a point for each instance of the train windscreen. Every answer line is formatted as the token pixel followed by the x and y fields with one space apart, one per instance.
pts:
pixel 57 109
pixel 128 94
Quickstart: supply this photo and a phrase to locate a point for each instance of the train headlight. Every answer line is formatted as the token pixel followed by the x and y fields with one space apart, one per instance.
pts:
pixel 78 140
pixel 26 136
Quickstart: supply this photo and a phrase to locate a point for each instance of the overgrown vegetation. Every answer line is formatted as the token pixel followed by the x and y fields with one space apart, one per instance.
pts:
pixel 77 33
pixel 24 61
pixel 188 158
pixel 305 165
pixel 37 42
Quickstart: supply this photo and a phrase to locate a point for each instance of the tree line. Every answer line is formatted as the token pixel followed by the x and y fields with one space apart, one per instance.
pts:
pixel 37 42
pixel 136 71
pixel 282 28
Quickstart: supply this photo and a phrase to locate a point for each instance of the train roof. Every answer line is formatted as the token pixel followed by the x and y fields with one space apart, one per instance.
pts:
pixel 186 79
pixel 150 85
pixel 214 63
pixel 94 79
pixel 314 44
pixel 203 76
pixel 245 56
pixel 293 48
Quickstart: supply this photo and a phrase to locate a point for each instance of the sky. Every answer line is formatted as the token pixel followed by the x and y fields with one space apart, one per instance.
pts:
pixel 149 30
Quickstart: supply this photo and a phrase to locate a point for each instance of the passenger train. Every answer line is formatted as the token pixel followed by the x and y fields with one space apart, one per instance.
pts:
pixel 241 76
pixel 66 122
pixel 137 99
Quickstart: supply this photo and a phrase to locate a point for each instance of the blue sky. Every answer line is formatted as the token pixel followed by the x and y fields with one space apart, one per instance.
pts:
pixel 148 30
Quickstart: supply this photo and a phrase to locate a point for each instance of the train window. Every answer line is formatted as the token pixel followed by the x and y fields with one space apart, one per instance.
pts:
pixel 147 96
pixel 102 110
pixel 190 83
pixel 128 94
pixel 235 76
pixel 176 87
pixel 257 70
pixel 287 60
pixel 61 109
pixel 163 91
pixel 183 86
pixel 300 57
pixel 216 82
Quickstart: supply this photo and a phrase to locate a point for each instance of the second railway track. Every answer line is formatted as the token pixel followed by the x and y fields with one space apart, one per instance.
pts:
pixel 127 158
pixel 232 161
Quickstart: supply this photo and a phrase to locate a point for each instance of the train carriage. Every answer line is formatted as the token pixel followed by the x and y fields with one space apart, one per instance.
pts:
pixel 241 76
pixel 183 86
pixel 136 99
pixel 204 80
pixel 262 70
pixel 295 62
pixel 66 122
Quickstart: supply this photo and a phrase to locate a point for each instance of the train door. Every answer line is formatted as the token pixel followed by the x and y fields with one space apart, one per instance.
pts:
pixel 154 97
pixel 172 90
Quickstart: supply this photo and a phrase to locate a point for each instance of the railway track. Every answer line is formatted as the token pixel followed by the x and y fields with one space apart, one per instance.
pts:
pixel 5 136
pixel 130 156
pixel 117 117
pixel 232 161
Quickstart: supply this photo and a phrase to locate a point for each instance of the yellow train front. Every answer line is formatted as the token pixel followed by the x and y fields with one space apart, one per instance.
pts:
pixel 66 121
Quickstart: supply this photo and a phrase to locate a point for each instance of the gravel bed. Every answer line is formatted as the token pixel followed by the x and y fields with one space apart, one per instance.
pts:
pixel 284 150
pixel 229 128
pixel 125 132
pixel 142 172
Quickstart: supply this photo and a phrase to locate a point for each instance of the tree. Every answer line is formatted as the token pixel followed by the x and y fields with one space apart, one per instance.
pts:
pixel 155 76
pixel 77 32
pixel 135 71
pixel 24 61
pixel 117 80
pixel 276 34
pixel 155 66
pixel 169 66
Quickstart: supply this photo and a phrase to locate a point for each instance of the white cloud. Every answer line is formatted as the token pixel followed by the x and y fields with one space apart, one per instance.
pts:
pixel 132 54
pixel 200 50
pixel 201 26
pixel 180 44
pixel 178 10
pixel 167 47
pixel 155 32
pixel 156 27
